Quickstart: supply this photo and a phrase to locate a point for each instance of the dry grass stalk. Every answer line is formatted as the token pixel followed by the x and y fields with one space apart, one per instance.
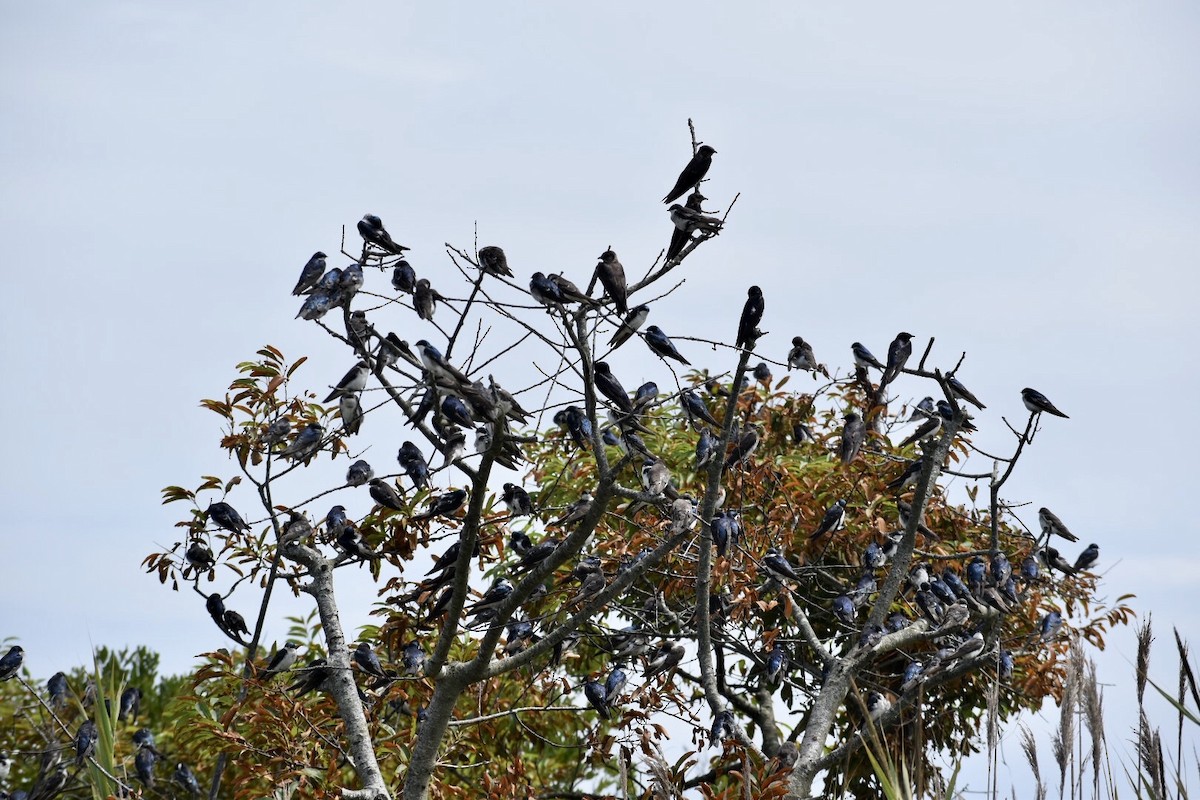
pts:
pixel 1029 747
pixel 1093 715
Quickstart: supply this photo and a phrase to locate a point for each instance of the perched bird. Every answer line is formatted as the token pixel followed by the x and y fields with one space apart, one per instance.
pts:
pixel 655 476
pixel 927 430
pixel 833 520
pixel 873 556
pixel 371 229
pixel 877 705
pixel 904 512
pixel 762 372
pixel 1036 402
pixel 801 356
pixel 56 689
pixel 614 686
pixel 951 579
pixel 777 663
pixel 912 674
pixel 493 597
pixel 353 381
pixel 575 512
pixel 1054 561
pixel 976 574
pixel 425 299
pixel 413 658
pixel 866 586
pixel 313 269
pixel 404 277
pixel 313 677
pixel 351 413
pixel 455 410
pixel 385 494
pixel 611 275
pixel 569 292
pixel 235 623
pixel 662 346
pixel 225 516
pixel 948 413
pixel 645 394
pixel 752 312
pixel 85 742
pixel 593 584
pixel 667 656
pixel 611 388
pixel 367 661
pixel 1088 558
pixel 633 321
pixel 131 702
pixel 687 219
pixel 215 605
pixel 493 261
pixel 898 354
pixel 722 727
pixel 351 542
pixel 546 291
pixel 517 500
pixel 695 408
pixel 1050 625
pixel 863 357
pixel 854 433
pixel 746 444
pixel 350 282
pixel 199 556
pixel 1052 525
pixel 143 737
pixel 304 446
pixel 187 779
pixel 909 476
pixel 282 661
pixel 1029 569
pixel 1005 664
pixel 444 505
pixel 999 568
pixel 596 696
pixel 923 410
pixel 536 554
pixel 844 609
pixel 12 661
pixel 276 432
pixel 778 567
pixel 961 392
pixel 692 174
pixel 706 448
pixel 412 461
pixel 143 765
pixel 359 473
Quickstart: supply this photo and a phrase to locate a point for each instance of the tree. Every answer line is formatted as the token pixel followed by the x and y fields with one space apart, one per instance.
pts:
pixel 723 557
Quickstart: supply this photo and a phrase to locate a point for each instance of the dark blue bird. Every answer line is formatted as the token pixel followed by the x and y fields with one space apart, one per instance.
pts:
pixel 304 446
pixel 614 686
pixel 777 662
pixel 662 345
pixel 1036 403
pixel 610 387
pixel 951 579
pixel 752 312
pixel 317 305
pixel 412 461
pixel 597 697
pixel 225 516
pixel 444 505
pixel 692 173
pixel 545 291
pixel 12 661
pixel 1050 626
pixel 187 779
pixel 777 566
pixel 843 609
pixel 493 261
pixel 976 574
pixel 898 353
pixel 517 500
pixel 1005 665
pixel 57 689
pixel 961 392
pixel 311 273
pixel 722 532
pixel 455 410
pixel 695 408
pixel 404 277
pixel 413 658
pixel 359 473
pixel 371 229
pixel 834 519
pixel 367 661
pixel 999 568
pixel 1088 558
pixel 85 742
pixel 863 357
pixel 762 372
pixel 385 494
pixel 722 727
pixel 873 556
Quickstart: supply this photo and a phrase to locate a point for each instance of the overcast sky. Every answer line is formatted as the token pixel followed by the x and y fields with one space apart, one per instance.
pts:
pixel 1019 181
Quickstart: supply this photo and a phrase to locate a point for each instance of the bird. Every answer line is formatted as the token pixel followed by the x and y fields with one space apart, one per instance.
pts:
pixel 898 354
pixel 296 528
pixel 313 269
pixel 215 605
pixel 575 512
pixel 752 312
pixel 999 568
pixel 413 658
pixel 1036 402
pixel 863 357
pixel 494 596
pixel 425 299
pixel 199 556
pixel 304 446
pixel 801 356
pixel 371 229
pixel 412 461
pixel 844 609
pixel 131 701
pixel 873 556
pixel 187 779
pixel 313 677
pixel 276 432
pixel 746 444
pixel 611 275
pixel 226 517
pixel 235 623
pixel 656 477
pixel 351 413
pixel 877 705
pixel 350 282
pixel 687 219
pixel 778 567
pixel 909 476
pixel 722 727
pixel 351 541
pixel 927 430
pixel 1054 561
pixel 904 511
pixel 662 346
pixel 359 473
pixel 1050 625
pixel 404 277
pixel 596 697
pixel 353 381
pixel 546 291
pixel 614 686
pixel 961 392
pixel 12 661
pixel 610 387
pixel 593 584
pixel 1088 558
pixel 367 661
pixel 493 261
pixel 57 688
pixel 517 500
pixel 282 661
pixel 949 413
pixel 444 505
pixel 695 408
pixel 691 174
pixel 317 305
pixel 630 325
pixel 569 291
pixel 833 520
pixel 455 410
pixel 143 765
pixel 854 433
pixel 1052 525
pixel 667 656
pixel 762 372
pixel 385 494
pixel 85 741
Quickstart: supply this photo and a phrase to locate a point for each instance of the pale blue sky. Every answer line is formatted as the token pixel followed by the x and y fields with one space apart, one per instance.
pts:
pixel 1019 181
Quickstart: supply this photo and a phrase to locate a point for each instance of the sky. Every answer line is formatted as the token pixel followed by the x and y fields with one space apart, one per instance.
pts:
pixel 1019 181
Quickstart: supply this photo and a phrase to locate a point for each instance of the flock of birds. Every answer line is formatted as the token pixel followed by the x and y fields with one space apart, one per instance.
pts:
pixel 456 404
